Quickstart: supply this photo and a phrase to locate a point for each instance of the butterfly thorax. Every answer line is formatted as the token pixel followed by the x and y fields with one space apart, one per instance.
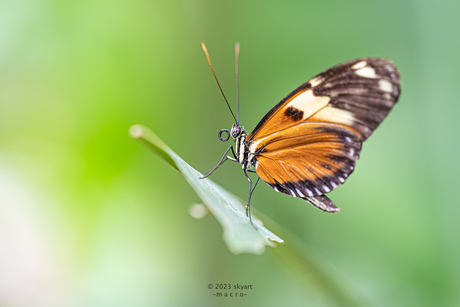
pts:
pixel 242 151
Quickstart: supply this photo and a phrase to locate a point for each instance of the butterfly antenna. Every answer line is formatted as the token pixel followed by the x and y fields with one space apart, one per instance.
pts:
pixel 237 55
pixel 203 46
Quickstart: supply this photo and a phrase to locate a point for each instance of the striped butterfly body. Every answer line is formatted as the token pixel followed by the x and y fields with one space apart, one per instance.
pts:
pixel 308 143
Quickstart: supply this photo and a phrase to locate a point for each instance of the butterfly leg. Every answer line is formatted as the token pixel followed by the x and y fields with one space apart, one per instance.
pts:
pixel 224 158
pixel 251 189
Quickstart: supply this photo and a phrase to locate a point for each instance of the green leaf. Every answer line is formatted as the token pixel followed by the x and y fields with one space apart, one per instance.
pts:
pixel 238 233
pixel 318 275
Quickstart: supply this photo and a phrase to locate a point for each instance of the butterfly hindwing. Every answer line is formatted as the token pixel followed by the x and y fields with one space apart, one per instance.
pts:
pixel 308 143
pixel 308 159
pixel 322 202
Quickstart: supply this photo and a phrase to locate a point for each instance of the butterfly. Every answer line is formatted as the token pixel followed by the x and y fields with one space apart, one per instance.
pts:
pixel 308 144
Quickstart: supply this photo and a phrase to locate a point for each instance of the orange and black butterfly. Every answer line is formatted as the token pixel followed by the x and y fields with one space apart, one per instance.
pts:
pixel 308 143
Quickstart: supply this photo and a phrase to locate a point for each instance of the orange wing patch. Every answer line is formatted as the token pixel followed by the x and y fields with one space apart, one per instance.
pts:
pixel 309 159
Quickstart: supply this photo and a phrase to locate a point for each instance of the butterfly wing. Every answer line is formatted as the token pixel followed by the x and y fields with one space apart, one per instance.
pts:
pixel 309 142
pixel 309 159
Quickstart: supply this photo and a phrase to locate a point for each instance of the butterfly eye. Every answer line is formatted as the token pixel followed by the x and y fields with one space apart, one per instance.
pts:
pixel 236 131
pixel 222 138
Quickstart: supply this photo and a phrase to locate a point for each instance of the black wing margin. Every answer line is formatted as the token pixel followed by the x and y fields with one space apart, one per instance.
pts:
pixel 366 89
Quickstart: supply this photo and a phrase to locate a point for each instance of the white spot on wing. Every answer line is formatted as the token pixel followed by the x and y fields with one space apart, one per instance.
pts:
pixel 299 192
pixel 386 86
pixel 388 67
pixel 276 189
pixel 387 96
pixel 333 184
pixel 367 72
pixel 292 193
pixel 326 188
pixel 341 179
pixel 359 65
pixel 308 103
pixel 315 81
pixel 331 114
pixel 309 193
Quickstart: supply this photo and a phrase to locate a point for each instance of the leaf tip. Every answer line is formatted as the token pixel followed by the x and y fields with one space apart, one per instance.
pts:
pixel 136 131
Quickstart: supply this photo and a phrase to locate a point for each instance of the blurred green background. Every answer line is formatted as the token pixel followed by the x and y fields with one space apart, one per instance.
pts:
pixel 90 217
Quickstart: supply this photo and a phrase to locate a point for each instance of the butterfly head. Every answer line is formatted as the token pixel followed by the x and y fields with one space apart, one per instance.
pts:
pixel 235 132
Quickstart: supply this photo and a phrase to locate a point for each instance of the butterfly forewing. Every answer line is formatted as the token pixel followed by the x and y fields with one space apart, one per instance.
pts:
pixel 308 143
pixel 361 95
